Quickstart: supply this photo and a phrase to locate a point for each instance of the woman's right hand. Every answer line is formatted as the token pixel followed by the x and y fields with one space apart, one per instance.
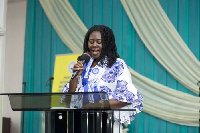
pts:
pixel 78 66
pixel 73 82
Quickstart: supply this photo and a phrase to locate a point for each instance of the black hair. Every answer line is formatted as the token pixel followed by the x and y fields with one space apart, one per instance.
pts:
pixel 109 48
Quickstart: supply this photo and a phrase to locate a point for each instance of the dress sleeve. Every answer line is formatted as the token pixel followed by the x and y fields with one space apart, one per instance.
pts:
pixel 65 88
pixel 125 90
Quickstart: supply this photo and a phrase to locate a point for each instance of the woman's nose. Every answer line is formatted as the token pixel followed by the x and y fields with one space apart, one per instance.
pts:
pixel 95 44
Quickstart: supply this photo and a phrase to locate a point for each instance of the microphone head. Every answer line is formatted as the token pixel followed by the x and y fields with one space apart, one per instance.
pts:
pixel 86 56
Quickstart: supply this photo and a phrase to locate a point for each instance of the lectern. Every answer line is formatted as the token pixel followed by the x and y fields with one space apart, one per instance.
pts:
pixel 77 112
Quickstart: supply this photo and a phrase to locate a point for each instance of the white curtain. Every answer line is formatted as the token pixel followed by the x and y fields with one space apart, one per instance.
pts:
pixel 163 41
pixel 160 101
pixel 66 23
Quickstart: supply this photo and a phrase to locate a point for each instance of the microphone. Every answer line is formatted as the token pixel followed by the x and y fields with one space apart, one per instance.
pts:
pixel 84 58
pixel 51 78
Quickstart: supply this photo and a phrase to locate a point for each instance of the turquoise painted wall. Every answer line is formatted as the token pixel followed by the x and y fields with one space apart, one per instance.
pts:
pixel 42 44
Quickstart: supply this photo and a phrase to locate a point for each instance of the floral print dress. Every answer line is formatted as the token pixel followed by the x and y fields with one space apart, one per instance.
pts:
pixel 116 81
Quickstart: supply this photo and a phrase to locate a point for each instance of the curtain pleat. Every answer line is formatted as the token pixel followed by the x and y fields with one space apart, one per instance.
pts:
pixel 64 19
pixel 163 41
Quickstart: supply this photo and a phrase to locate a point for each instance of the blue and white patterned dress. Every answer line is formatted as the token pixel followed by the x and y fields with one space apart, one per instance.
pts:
pixel 116 81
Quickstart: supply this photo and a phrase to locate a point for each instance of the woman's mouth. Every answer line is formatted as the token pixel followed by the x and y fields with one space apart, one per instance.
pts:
pixel 95 52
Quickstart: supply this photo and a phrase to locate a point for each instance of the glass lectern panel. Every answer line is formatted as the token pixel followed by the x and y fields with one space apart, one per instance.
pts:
pixel 58 101
pixel 77 112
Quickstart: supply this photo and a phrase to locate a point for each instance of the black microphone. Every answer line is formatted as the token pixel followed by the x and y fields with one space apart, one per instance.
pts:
pixel 51 78
pixel 84 58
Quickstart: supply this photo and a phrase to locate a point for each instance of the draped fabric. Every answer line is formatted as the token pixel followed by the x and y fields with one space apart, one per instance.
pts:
pixel 166 103
pixel 64 19
pixel 161 39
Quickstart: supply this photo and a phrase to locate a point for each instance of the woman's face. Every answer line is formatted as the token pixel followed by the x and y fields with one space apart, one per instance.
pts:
pixel 95 44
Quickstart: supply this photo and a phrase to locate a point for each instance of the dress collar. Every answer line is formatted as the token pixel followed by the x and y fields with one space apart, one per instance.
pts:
pixel 89 64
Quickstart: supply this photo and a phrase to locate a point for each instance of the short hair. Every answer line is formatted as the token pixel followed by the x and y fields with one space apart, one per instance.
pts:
pixel 109 48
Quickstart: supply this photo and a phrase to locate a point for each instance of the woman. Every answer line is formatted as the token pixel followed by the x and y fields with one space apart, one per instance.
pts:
pixel 106 72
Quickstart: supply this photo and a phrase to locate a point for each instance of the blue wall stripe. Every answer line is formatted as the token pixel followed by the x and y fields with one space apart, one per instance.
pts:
pixel 198 23
pixel 38 49
pixel 193 27
pixel 107 12
pixel 97 19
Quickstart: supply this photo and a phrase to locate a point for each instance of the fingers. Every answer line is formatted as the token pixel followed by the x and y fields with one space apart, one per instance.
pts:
pixel 78 66
pixel 79 63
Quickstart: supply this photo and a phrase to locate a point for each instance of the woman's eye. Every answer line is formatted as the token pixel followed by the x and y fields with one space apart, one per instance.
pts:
pixel 91 42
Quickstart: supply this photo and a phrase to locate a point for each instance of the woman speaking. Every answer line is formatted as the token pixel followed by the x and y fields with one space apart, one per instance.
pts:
pixel 106 72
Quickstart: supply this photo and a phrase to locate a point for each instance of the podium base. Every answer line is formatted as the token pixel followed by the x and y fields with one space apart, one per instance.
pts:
pixel 79 121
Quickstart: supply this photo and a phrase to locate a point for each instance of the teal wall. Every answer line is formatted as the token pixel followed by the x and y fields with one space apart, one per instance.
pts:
pixel 42 44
